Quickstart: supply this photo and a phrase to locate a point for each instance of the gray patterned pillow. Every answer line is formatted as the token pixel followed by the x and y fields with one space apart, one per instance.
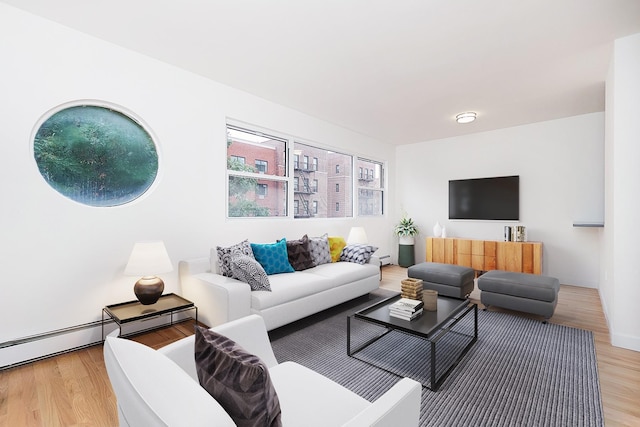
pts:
pixel 239 381
pixel 225 255
pixel 359 254
pixel 248 270
pixel 319 249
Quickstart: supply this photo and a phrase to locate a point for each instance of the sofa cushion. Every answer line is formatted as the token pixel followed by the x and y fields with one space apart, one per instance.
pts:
pixel 319 248
pixel 336 245
pixel 299 254
pixel 341 273
pixel 290 287
pixel 236 379
pixel 523 285
pixel 225 254
pixel 445 274
pixel 248 270
pixel 272 256
pixel 358 253
pixel 297 386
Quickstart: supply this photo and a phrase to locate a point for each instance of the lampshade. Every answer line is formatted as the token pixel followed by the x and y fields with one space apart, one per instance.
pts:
pixel 148 259
pixel 357 235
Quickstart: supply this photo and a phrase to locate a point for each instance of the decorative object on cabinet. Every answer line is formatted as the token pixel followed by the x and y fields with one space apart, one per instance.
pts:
pixel 437 230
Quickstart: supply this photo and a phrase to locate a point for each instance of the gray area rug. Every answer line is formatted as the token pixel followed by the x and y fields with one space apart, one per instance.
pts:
pixel 521 372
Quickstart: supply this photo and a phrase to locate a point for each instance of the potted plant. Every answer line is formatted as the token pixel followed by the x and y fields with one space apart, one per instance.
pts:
pixel 406 230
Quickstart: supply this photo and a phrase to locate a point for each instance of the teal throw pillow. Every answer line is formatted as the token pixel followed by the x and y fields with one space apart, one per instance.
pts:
pixel 272 257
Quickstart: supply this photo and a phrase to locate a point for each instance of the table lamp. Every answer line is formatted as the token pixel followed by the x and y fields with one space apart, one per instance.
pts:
pixel 148 259
pixel 357 235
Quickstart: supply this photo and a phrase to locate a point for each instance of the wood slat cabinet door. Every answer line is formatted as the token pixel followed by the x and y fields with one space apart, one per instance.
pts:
pixel 462 252
pixel 489 255
pixel 477 255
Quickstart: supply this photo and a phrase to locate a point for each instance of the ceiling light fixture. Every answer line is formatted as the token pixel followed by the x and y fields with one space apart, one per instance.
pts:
pixel 466 117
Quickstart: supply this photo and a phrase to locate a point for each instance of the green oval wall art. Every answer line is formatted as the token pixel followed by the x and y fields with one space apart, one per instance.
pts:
pixel 95 155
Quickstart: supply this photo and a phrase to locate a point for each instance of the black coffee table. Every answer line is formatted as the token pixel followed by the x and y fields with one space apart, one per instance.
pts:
pixel 432 326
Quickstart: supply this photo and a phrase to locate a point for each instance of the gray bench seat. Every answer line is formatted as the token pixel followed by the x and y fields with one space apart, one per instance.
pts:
pixel 448 279
pixel 529 293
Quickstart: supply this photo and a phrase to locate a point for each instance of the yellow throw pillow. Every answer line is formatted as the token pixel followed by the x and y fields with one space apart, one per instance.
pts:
pixel 336 245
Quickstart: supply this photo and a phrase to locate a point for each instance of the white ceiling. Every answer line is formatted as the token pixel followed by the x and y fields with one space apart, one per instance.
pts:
pixel 396 70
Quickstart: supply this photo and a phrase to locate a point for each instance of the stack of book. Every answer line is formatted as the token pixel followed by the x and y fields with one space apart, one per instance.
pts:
pixel 411 288
pixel 406 309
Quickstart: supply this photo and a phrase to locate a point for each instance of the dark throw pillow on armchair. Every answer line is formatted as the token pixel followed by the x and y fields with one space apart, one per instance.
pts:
pixel 239 381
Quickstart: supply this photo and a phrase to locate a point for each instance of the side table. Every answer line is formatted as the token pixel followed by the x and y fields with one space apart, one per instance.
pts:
pixel 133 311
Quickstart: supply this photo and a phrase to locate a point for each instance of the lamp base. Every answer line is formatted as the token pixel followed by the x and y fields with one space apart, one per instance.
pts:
pixel 148 289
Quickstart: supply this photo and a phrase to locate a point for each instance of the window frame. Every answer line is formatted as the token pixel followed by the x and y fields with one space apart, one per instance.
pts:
pixel 292 159
pixel 372 193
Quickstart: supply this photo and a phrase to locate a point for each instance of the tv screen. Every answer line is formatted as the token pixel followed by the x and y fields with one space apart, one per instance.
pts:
pixel 495 198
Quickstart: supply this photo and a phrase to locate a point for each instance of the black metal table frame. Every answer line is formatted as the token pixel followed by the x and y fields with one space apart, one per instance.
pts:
pixel 148 316
pixel 434 383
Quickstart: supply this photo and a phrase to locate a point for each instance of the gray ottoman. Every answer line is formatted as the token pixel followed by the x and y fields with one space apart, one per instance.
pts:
pixel 529 293
pixel 449 280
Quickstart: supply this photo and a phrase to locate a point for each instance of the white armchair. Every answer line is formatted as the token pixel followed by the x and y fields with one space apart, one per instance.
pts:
pixel 161 387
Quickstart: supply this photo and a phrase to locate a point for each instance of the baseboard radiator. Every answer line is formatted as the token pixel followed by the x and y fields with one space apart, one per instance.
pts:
pixel 25 350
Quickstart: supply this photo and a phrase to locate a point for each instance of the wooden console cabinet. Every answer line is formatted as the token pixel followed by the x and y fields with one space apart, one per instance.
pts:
pixel 485 255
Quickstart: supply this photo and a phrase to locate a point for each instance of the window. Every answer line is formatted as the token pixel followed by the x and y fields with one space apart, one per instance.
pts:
pixel 95 155
pixel 261 190
pixel 256 190
pixel 370 188
pixel 321 182
pixel 262 166
pixel 262 181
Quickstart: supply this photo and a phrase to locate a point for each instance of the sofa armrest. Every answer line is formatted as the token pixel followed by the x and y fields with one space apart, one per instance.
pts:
pixel 374 260
pixel 399 406
pixel 219 299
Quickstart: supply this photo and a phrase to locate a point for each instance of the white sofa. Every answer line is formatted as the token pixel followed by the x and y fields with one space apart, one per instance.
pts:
pixel 161 388
pixel 293 295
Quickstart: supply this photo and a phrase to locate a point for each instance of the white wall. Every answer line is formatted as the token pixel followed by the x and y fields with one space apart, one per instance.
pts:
pixel 560 164
pixel 619 289
pixel 62 261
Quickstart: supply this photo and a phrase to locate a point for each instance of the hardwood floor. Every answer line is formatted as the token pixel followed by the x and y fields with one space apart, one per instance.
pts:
pixel 74 390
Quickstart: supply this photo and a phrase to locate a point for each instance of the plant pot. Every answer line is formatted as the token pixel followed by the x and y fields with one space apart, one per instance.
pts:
pixel 406 251
pixel 406 240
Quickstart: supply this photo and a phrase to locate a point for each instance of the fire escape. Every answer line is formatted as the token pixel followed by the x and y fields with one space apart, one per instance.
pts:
pixel 302 189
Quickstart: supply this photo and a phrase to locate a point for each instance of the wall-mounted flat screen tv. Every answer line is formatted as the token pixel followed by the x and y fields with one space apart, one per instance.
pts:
pixel 496 198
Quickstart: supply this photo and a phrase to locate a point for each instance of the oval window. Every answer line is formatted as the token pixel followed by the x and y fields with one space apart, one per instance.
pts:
pixel 95 155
